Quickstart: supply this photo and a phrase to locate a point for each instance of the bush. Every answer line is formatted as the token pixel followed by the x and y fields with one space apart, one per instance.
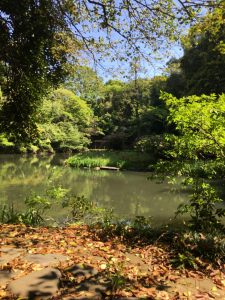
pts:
pixel 158 145
pixel 35 209
pixel 5 145
pixel 192 245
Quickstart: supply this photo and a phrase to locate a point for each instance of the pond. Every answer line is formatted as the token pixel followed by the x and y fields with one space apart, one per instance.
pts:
pixel 127 193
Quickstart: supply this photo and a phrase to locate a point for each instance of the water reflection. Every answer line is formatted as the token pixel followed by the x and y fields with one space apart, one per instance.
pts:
pixel 128 193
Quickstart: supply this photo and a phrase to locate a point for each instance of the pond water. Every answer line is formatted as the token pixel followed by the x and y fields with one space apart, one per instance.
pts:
pixel 128 193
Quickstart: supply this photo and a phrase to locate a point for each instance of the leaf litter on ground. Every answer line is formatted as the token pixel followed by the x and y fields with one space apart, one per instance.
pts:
pixel 144 271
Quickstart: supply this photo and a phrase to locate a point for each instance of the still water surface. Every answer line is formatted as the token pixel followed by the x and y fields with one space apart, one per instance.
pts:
pixel 128 193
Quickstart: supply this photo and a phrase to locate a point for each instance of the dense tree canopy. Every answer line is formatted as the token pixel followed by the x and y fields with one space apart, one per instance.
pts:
pixel 203 63
pixel 86 83
pixel 33 52
pixel 65 121
pixel 35 43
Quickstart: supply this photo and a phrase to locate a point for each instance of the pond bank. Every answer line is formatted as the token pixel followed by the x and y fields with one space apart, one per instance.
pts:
pixel 123 160
pixel 88 267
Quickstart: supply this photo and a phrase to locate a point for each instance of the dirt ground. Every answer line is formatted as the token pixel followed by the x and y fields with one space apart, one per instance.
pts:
pixel 73 263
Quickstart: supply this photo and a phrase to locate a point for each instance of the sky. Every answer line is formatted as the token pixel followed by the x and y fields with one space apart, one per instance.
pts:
pixel 121 69
pixel 115 63
pixel 118 65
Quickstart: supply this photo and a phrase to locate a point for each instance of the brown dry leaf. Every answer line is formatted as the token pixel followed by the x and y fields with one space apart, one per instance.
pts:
pixel 3 293
pixel 163 295
pixel 214 273
pixel 103 266
pixel 203 296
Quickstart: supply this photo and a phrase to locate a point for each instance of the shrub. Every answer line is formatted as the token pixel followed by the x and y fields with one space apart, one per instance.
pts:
pixel 123 160
pixel 158 145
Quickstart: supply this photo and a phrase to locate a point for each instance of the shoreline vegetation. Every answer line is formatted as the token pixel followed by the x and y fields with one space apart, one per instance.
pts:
pixel 123 160
pixel 191 243
pixel 131 256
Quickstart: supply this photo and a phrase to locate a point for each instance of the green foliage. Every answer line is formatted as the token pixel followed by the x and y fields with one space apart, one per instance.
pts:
pixel 79 207
pixel 64 105
pixel 157 145
pixel 133 230
pixel 175 83
pixel 202 169
pixel 113 109
pixel 33 214
pixel 184 260
pixel 123 160
pixel 34 56
pixel 9 215
pixel 63 137
pixel 39 39
pixel 66 121
pixel 5 145
pixel 36 206
pixel 203 63
pixel 115 273
pixel 85 83
pixel 157 84
pixel 83 210
pixel 193 246
pixel 131 109
pixel 203 207
pixel 201 135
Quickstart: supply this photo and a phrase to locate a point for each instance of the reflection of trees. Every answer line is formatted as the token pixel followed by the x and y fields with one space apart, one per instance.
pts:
pixel 21 175
pixel 16 170
pixel 129 193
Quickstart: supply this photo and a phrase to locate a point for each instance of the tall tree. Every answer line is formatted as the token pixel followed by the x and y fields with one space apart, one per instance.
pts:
pixel 33 48
pixel 203 63
pixel 85 83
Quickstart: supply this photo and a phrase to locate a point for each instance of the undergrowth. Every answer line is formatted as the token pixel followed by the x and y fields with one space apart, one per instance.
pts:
pixel 128 160
pixel 191 245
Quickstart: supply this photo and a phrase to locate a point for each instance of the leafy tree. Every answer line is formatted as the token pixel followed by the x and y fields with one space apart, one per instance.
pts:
pixel 33 48
pixel 85 83
pixel 158 83
pixel 153 110
pixel 125 115
pixel 66 121
pixel 35 43
pixel 203 63
pixel 176 81
pixel 201 134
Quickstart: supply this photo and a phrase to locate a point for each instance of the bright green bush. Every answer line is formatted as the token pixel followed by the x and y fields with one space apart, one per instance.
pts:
pixel 201 125
pixel 64 136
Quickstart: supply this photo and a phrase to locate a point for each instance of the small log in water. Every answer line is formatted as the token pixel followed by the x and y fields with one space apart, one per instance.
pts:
pixel 109 168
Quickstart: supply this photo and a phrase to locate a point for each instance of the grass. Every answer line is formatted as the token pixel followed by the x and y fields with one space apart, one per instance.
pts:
pixel 125 160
